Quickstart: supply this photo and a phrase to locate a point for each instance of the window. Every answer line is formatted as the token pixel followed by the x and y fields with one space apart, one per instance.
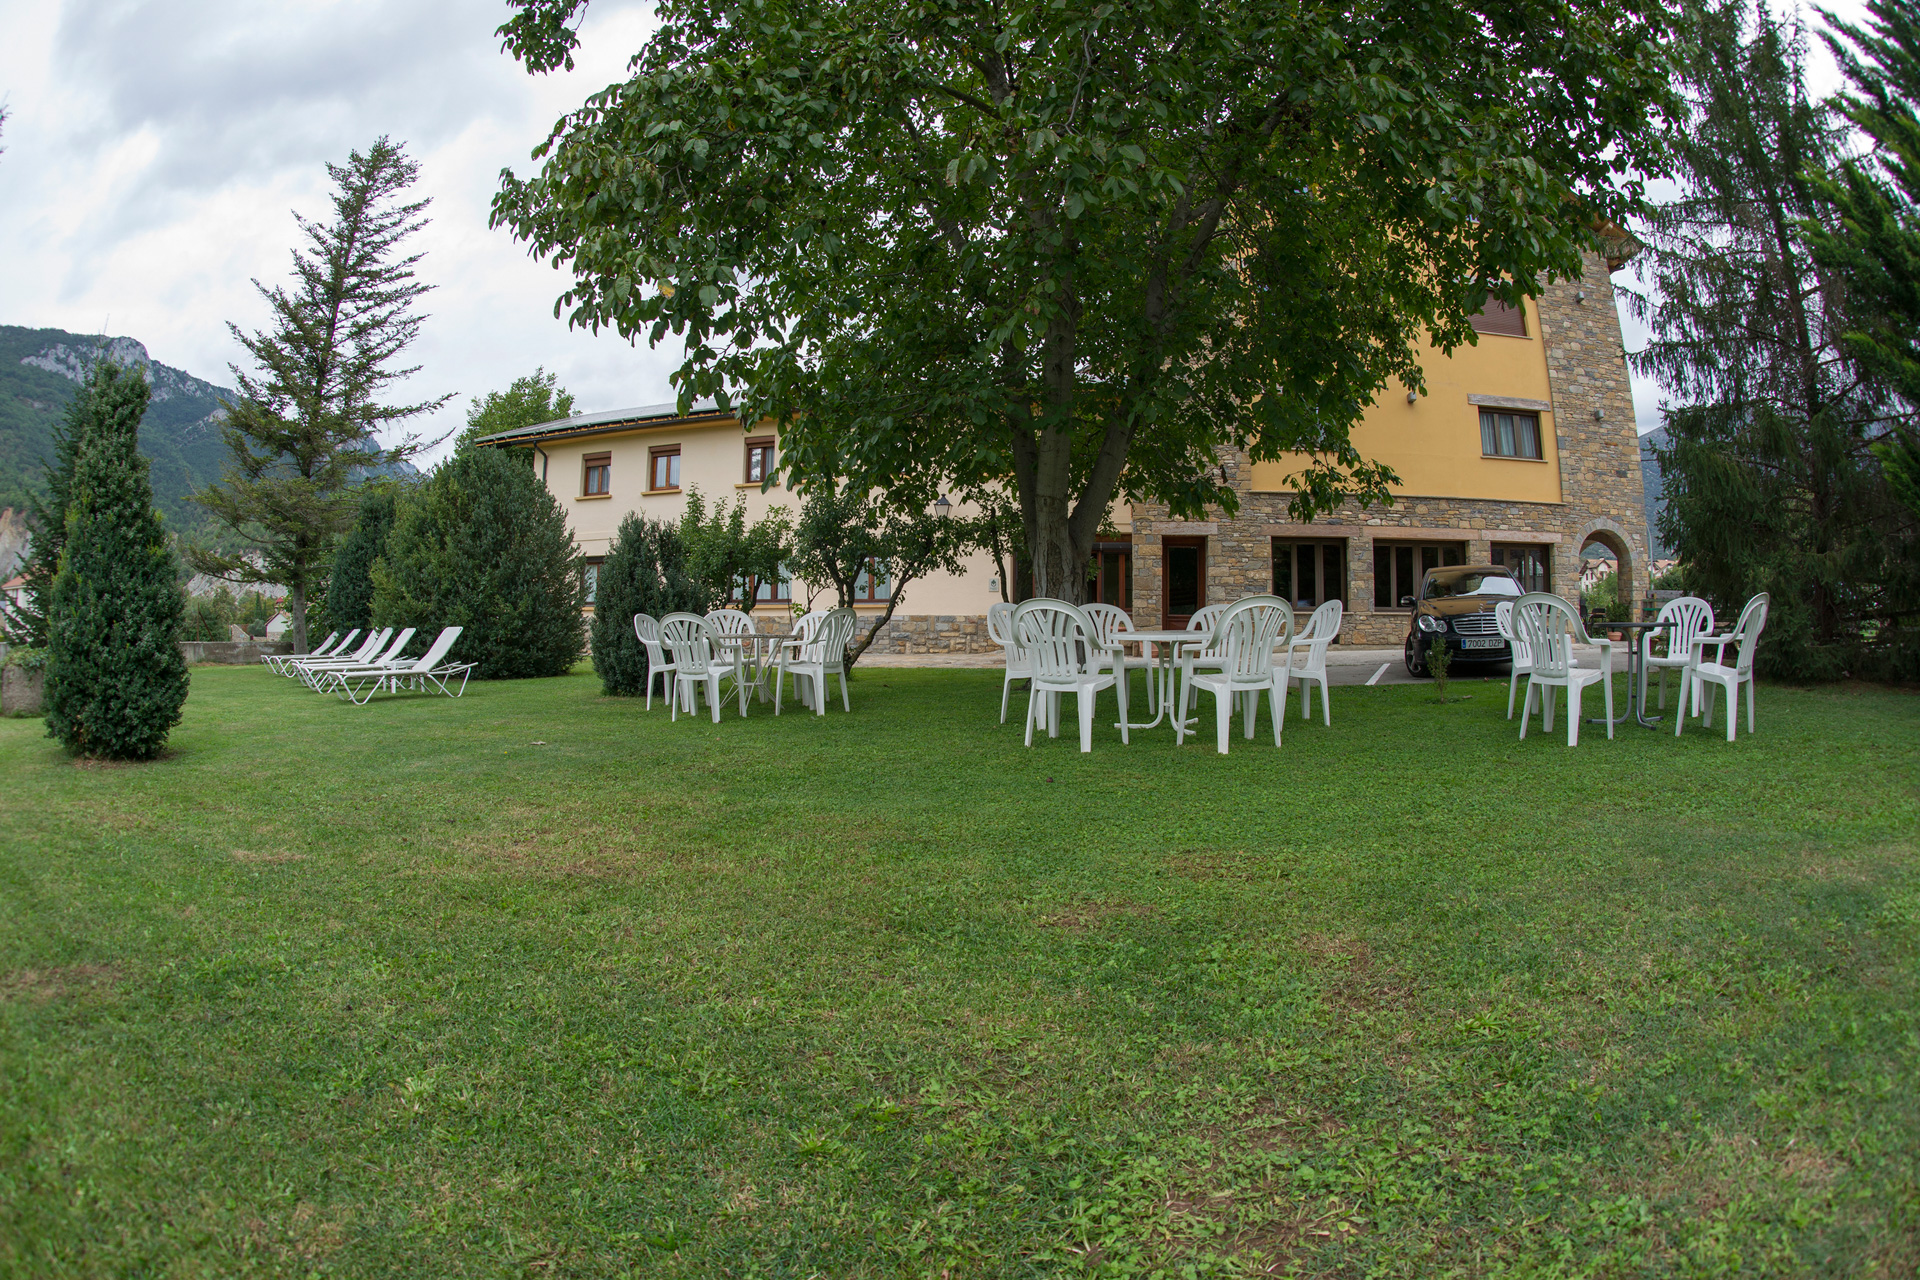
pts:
pixel 1308 574
pixel 759 459
pixel 1110 574
pixel 1399 566
pixel 597 482
pixel 1509 435
pixel 874 585
pixel 1527 564
pixel 1496 316
pixel 663 468
pixel 779 591
pixel 590 575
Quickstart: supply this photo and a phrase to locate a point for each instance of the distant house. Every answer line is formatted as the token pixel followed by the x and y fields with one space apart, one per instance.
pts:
pixel 279 625
pixel 14 590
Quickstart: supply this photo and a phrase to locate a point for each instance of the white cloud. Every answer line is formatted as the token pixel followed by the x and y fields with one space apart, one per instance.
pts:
pixel 156 153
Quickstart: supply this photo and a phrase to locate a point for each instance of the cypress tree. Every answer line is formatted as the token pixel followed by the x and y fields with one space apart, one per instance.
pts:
pixel 116 679
pixel 350 585
pixel 47 515
pixel 483 545
pixel 645 572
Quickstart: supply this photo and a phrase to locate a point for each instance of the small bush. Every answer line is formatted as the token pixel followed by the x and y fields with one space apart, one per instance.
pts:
pixel 645 572
pixel 483 545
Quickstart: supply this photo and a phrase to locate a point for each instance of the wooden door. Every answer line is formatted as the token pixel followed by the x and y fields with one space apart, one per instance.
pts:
pixel 1183 580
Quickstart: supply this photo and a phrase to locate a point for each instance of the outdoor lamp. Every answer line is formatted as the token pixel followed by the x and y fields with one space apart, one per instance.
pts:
pixel 941 507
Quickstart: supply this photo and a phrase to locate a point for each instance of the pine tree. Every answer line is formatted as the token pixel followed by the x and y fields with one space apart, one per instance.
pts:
pixel 645 572
pixel 350 582
pixel 304 430
pixel 116 679
pixel 1770 480
pixel 1875 242
pixel 483 545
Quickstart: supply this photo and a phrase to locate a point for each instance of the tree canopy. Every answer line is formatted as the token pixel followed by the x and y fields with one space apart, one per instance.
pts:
pixel 528 401
pixel 1078 247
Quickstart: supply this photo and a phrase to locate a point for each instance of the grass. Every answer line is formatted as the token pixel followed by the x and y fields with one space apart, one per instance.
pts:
pixel 398 991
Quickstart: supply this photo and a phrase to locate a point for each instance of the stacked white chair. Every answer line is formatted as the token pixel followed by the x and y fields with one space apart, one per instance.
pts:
pixel 1520 651
pixel 1244 638
pixel 1551 627
pixel 691 639
pixel 1704 677
pixel 1064 648
pixel 1019 665
pixel 1687 618
pixel 817 651
pixel 646 629
pixel 1307 658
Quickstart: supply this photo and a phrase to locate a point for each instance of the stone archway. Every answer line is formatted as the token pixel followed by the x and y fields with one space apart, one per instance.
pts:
pixel 1629 563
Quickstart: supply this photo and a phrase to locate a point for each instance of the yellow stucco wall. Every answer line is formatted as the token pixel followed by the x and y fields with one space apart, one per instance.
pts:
pixel 1434 445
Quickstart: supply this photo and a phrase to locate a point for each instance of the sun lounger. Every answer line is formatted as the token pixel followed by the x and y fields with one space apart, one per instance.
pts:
pixel 359 684
pixel 272 661
pixel 307 669
pixel 317 674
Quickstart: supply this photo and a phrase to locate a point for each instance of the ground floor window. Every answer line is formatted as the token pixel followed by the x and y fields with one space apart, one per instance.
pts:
pixel 590 573
pixel 1398 567
pixel 1110 574
pixel 1529 564
pixel 1308 574
pixel 874 585
pixel 777 591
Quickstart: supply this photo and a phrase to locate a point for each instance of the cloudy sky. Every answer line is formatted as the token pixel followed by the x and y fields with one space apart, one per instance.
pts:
pixel 157 149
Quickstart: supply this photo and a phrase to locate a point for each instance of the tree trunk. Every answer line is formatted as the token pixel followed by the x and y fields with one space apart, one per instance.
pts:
pixel 297 606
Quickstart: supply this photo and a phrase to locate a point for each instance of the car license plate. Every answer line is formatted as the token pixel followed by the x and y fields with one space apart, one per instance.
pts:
pixel 1481 642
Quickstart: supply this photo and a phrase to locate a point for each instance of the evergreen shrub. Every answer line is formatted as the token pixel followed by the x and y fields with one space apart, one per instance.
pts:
pixel 116 679
pixel 483 545
pixel 350 584
pixel 645 572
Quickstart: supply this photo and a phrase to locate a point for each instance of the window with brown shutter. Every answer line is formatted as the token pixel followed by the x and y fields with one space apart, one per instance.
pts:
pixel 759 459
pixel 1497 317
pixel 597 475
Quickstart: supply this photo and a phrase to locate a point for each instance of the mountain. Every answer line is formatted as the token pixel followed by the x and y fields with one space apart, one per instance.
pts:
pixel 180 435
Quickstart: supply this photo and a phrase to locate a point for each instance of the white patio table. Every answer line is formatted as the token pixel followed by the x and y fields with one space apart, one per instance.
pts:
pixel 1169 643
pixel 756 660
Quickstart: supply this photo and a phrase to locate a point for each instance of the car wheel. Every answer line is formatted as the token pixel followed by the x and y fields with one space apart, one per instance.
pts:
pixel 1416 658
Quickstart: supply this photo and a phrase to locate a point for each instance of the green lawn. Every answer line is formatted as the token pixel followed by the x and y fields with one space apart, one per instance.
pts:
pixel 536 983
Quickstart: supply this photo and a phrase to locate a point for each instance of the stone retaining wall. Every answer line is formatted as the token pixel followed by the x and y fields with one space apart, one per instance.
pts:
pixel 22 692
pixel 933 633
pixel 230 653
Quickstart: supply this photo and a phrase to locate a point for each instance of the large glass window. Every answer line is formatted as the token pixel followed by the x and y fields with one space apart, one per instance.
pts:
pixel 1528 564
pixel 1308 574
pixel 874 585
pixel 1399 566
pixel 1110 574
pixel 1509 435
pixel 591 573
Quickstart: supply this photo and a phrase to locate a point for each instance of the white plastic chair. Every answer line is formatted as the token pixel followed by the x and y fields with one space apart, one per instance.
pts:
pixel 1111 624
pixel 820 650
pixel 1067 657
pixel 1323 628
pixel 733 624
pixel 1517 646
pixel 1245 636
pixel 1704 677
pixel 646 630
pixel 691 639
pixel 1019 665
pixel 1551 627
pixel 1686 618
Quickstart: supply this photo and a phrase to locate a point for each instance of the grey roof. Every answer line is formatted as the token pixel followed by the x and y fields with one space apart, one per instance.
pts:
pixel 608 420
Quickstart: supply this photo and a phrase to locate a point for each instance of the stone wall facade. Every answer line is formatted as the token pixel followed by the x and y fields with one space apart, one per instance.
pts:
pixel 1601 499
pixel 932 633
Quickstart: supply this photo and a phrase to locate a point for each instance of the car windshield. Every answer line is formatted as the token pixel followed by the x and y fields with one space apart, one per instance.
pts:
pixel 1471 582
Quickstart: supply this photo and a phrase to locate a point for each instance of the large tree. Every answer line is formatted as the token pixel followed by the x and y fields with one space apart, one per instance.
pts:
pixel 528 401
pixel 1770 482
pixel 1875 239
pixel 1079 246
pixel 307 425
pixel 115 677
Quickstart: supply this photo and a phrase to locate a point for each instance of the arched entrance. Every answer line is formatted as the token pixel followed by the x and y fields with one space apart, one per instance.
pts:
pixel 1617 594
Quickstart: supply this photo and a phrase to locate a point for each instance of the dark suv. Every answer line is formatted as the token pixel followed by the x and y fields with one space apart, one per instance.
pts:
pixel 1455 608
